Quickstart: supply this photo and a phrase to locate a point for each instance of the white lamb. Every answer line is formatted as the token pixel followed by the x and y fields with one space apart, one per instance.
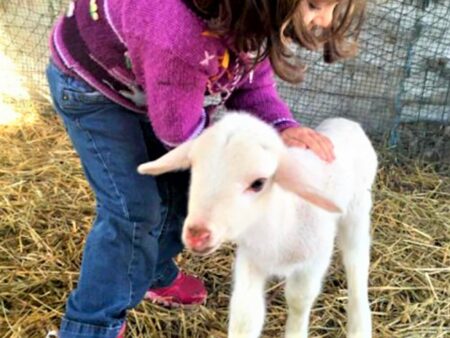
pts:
pixel 283 207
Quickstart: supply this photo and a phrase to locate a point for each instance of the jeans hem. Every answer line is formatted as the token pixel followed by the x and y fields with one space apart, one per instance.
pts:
pixel 73 329
pixel 166 277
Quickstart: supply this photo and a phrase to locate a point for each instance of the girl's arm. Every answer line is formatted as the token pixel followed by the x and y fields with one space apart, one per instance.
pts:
pixel 175 96
pixel 259 96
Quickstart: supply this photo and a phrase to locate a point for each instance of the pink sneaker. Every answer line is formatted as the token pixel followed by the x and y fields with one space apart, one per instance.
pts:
pixel 122 331
pixel 184 291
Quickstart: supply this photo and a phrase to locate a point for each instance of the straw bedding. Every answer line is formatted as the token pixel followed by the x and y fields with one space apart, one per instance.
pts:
pixel 46 209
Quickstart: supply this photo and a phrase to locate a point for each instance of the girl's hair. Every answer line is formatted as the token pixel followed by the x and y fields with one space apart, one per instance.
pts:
pixel 267 27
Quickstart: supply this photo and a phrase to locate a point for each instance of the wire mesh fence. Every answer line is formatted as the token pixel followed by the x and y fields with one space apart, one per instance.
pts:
pixel 398 87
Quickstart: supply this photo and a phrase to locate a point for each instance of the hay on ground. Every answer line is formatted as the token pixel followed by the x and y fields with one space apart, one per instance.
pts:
pixel 46 209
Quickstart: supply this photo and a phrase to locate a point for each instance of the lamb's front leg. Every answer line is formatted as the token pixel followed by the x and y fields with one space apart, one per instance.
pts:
pixel 247 306
pixel 302 288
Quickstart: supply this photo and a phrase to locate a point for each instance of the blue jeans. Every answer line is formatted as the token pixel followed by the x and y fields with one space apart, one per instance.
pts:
pixel 137 229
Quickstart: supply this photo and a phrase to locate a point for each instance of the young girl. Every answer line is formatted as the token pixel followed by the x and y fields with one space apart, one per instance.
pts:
pixel 128 78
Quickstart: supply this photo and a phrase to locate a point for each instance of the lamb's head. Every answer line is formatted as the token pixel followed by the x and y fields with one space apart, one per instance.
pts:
pixel 234 166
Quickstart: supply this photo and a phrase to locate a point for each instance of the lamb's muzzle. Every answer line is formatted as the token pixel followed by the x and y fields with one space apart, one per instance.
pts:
pixel 198 239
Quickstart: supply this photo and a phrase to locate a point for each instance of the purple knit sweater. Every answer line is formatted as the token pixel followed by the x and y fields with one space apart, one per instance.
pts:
pixel 157 57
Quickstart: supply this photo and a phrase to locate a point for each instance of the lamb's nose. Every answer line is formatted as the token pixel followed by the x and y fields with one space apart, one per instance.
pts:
pixel 198 236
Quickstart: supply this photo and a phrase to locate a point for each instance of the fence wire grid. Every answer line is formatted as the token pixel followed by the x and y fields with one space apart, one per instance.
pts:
pixel 398 87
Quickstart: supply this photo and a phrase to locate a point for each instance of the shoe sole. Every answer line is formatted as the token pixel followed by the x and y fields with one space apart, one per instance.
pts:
pixel 173 305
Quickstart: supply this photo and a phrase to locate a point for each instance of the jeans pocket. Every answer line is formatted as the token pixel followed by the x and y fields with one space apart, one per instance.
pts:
pixel 72 95
pixel 78 100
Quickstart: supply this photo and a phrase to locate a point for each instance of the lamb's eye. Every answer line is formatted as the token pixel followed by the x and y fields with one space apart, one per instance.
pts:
pixel 257 185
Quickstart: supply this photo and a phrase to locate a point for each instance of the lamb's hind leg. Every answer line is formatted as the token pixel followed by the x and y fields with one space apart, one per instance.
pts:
pixel 302 289
pixel 354 243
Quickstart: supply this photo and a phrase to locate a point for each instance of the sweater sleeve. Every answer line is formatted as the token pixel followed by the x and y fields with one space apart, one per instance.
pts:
pixel 175 94
pixel 258 96
pixel 165 47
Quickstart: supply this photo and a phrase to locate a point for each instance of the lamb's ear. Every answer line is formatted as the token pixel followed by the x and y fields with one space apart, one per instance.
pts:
pixel 175 159
pixel 291 177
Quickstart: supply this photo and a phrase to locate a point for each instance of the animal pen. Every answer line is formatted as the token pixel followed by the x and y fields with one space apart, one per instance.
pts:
pixel 398 88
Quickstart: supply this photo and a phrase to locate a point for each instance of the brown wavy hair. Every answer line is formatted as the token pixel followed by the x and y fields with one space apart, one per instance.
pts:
pixel 268 27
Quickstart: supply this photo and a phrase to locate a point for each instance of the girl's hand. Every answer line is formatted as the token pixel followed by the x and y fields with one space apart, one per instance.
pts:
pixel 304 137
